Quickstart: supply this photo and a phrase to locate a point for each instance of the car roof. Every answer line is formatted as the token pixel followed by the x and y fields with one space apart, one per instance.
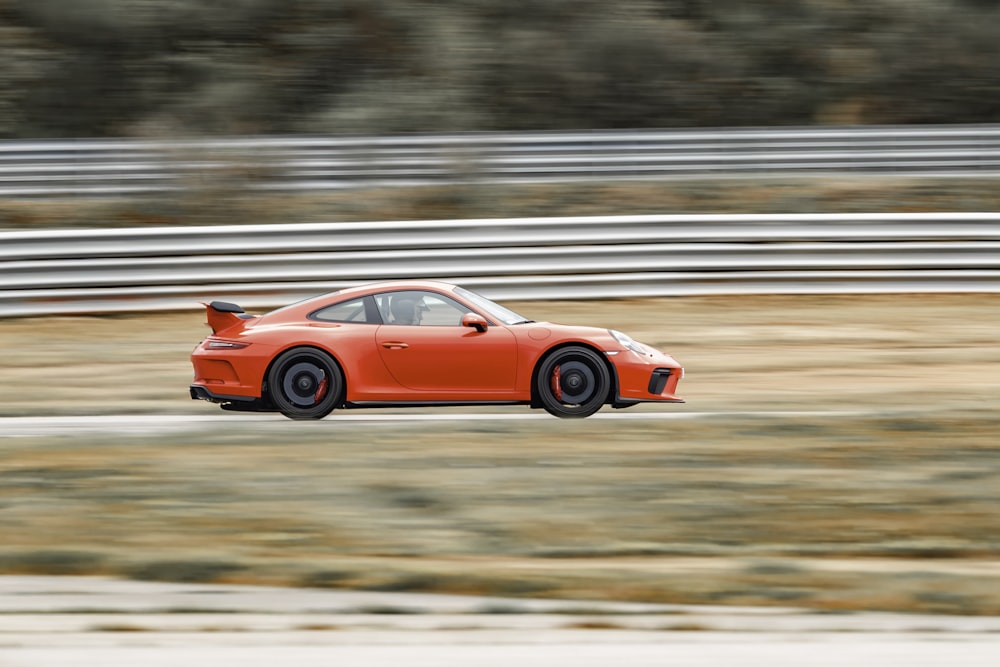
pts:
pixel 368 288
pixel 399 285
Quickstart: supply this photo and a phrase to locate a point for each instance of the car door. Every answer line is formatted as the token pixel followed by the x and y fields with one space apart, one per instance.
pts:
pixel 426 349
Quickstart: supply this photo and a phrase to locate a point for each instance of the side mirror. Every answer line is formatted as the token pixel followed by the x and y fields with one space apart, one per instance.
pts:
pixel 473 321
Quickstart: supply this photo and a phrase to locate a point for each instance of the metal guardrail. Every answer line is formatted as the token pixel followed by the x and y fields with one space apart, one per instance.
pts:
pixel 128 168
pixel 108 270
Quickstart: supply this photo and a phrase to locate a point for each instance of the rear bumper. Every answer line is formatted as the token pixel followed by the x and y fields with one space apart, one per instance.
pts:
pixel 229 402
pixel 203 393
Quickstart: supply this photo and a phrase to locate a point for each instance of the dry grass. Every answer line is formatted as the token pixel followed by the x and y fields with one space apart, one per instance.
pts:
pixel 889 506
pixel 224 202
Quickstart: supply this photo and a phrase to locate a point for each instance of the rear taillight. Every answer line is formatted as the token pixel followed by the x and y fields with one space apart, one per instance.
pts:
pixel 224 345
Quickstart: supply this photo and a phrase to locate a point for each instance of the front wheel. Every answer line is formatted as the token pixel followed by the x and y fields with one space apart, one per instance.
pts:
pixel 573 382
pixel 305 383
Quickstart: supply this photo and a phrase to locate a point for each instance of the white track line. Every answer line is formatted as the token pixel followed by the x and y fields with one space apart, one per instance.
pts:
pixel 20 427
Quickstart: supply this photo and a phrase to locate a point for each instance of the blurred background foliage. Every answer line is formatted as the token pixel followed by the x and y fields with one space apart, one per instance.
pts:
pixel 202 67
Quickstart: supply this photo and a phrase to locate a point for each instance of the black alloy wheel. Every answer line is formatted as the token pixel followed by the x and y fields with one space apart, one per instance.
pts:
pixel 573 382
pixel 305 383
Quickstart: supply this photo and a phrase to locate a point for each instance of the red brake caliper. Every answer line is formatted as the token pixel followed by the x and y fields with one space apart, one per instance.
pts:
pixel 556 388
pixel 320 390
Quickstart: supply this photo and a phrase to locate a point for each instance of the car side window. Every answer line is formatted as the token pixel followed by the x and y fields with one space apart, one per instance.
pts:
pixel 420 308
pixel 347 311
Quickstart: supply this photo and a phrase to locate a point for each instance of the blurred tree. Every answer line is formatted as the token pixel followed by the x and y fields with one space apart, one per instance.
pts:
pixel 937 63
pixel 151 67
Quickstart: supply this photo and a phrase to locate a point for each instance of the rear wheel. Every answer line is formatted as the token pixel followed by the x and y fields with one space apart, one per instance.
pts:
pixel 305 383
pixel 573 382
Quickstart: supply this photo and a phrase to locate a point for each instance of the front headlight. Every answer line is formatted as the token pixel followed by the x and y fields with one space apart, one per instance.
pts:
pixel 628 343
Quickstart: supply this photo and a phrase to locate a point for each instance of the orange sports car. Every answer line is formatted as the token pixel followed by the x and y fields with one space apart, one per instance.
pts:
pixel 417 344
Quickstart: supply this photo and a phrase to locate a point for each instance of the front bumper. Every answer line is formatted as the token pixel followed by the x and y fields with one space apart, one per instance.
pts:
pixel 646 378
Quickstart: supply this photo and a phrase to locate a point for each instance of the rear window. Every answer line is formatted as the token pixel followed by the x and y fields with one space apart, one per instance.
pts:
pixel 345 311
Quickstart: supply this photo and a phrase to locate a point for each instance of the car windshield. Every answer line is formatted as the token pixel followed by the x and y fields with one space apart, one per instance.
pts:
pixel 494 310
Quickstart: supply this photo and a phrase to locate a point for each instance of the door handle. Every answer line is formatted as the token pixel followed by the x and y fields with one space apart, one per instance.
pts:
pixel 394 345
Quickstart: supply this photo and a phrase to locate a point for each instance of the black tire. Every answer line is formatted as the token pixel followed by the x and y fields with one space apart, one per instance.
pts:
pixel 573 382
pixel 305 383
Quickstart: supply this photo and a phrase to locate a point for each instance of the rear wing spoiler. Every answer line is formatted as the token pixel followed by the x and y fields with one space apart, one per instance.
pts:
pixel 223 315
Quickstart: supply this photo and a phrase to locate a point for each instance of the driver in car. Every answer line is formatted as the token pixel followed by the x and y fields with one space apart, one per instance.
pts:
pixel 408 310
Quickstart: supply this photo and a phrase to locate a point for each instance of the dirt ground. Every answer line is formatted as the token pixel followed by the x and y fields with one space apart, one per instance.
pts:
pixel 739 352
pixel 880 493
